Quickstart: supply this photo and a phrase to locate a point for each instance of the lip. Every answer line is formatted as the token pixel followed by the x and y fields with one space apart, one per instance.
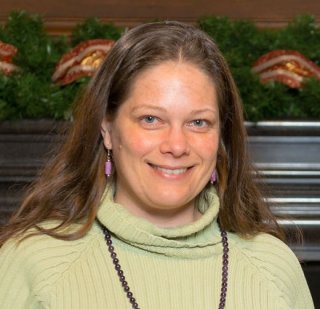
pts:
pixel 172 172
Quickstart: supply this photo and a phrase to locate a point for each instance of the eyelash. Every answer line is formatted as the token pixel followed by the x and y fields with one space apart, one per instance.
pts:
pixel 204 123
pixel 150 121
pixel 146 120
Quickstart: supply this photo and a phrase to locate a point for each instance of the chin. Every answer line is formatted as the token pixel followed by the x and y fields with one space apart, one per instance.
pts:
pixel 172 202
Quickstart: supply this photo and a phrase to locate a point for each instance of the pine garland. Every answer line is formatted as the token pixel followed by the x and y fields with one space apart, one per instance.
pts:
pixel 30 93
pixel 243 43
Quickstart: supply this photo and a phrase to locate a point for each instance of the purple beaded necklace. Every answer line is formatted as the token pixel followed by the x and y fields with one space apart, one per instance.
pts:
pixel 124 283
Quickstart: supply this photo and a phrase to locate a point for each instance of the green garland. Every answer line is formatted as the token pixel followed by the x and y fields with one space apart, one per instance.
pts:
pixel 29 93
pixel 242 43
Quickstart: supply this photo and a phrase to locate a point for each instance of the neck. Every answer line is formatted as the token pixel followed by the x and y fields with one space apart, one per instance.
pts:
pixel 163 217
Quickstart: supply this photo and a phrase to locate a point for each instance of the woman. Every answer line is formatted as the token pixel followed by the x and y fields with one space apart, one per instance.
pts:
pixel 177 221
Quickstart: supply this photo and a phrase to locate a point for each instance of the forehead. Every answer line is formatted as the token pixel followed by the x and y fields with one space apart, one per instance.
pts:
pixel 172 74
pixel 170 66
pixel 173 79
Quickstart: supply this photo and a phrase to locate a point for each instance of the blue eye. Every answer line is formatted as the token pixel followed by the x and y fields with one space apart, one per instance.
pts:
pixel 199 123
pixel 149 119
pixel 150 122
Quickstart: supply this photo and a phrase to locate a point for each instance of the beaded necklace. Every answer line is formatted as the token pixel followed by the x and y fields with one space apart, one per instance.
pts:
pixel 124 283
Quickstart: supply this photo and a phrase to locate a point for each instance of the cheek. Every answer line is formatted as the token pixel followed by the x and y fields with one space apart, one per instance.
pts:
pixel 132 143
pixel 207 148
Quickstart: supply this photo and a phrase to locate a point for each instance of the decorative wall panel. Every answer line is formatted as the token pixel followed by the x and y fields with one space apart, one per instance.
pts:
pixel 61 16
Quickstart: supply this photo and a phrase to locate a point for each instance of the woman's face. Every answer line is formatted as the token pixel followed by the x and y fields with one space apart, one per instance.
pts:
pixel 164 141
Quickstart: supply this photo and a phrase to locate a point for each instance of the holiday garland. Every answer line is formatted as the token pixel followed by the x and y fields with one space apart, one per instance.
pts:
pixel 30 93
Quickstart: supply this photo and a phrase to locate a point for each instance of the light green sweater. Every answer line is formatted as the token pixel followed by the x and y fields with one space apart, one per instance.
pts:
pixel 167 268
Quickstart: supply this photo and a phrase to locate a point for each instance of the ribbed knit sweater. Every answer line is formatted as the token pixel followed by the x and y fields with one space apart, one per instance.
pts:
pixel 166 268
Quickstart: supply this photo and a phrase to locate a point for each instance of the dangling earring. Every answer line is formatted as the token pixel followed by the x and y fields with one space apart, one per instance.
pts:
pixel 108 164
pixel 213 177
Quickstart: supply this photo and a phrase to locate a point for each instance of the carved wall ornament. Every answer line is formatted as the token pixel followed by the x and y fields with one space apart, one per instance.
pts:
pixel 82 60
pixel 7 52
pixel 285 66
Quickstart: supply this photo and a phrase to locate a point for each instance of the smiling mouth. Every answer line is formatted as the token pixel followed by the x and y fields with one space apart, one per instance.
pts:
pixel 170 171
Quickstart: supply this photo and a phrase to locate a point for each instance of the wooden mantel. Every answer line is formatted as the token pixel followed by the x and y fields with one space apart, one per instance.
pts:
pixel 61 16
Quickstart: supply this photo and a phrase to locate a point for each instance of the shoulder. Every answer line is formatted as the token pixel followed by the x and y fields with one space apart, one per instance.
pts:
pixel 269 254
pixel 41 256
pixel 275 263
pixel 264 247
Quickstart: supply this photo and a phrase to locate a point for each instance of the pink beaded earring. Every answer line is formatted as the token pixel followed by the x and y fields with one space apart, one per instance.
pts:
pixel 213 177
pixel 108 164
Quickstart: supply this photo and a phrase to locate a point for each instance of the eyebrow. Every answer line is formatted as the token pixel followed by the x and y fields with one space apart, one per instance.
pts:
pixel 154 107
pixel 145 106
pixel 204 110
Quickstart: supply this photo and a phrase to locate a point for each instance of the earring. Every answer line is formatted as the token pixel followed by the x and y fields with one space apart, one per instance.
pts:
pixel 108 164
pixel 213 177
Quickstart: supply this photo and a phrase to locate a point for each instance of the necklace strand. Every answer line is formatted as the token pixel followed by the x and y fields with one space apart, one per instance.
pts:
pixel 124 283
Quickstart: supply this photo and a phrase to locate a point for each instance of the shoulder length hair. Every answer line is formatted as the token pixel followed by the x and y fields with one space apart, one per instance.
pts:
pixel 70 187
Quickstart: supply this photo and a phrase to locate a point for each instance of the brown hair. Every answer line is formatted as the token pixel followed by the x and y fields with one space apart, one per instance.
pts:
pixel 71 185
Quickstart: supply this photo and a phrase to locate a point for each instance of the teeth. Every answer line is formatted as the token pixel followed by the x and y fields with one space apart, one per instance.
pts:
pixel 172 172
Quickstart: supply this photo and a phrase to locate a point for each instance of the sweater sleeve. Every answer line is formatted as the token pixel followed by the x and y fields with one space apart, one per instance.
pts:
pixel 16 284
pixel 30 269
pixel 275 261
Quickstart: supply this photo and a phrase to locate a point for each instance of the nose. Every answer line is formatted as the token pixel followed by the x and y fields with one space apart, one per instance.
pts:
pixel 175 142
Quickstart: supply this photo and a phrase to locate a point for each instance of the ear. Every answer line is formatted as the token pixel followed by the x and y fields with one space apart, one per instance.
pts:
pixel 106 133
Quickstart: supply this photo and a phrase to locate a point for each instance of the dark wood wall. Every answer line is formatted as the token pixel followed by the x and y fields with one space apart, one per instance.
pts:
pixel 61 16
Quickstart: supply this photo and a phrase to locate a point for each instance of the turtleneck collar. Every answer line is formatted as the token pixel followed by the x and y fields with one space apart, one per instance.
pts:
pixel 198 239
